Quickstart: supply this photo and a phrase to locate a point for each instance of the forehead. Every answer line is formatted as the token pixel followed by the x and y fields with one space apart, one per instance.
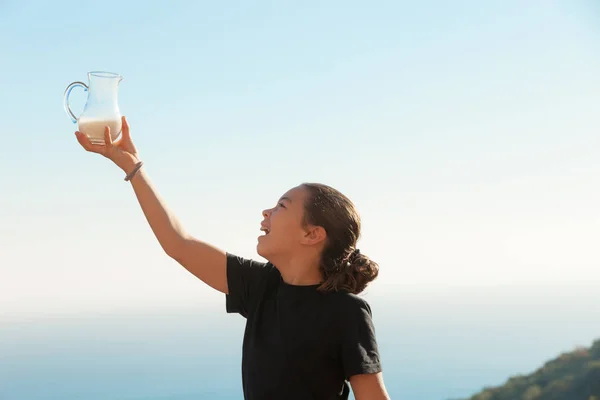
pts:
pixel 295 195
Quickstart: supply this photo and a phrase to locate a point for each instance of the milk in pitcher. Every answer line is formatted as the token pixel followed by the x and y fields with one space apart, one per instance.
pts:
pixel 93 128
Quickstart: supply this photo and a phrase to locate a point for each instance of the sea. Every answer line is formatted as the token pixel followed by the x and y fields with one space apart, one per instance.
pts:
pixel 435 344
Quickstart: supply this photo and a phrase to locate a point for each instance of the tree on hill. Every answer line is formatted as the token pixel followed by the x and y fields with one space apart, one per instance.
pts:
pixel 573 375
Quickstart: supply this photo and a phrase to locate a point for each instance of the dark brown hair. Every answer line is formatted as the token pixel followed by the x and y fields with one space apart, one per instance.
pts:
pixel 343 267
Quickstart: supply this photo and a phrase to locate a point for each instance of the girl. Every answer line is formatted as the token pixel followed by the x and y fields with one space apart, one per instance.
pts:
pixel 307 332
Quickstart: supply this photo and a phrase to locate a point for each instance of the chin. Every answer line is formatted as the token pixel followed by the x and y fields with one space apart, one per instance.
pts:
pixel 263 251
pixel 260 249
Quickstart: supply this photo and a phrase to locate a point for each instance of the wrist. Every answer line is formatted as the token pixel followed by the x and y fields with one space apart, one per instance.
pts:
pixel 134 171
pixel 129 163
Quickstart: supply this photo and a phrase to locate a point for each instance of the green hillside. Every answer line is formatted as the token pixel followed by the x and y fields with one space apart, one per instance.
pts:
pixel 571 376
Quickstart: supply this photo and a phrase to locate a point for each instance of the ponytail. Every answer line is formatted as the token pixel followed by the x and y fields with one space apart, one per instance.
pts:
pixel 351 274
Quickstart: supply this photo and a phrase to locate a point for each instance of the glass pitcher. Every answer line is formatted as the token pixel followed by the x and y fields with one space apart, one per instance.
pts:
pixel 101 107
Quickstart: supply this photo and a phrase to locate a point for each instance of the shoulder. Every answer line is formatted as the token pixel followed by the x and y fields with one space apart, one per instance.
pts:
pixel 248 281
pixel 247 272
pixel 350 301
pixel 249 265
pixel 234 259
pixel 350 307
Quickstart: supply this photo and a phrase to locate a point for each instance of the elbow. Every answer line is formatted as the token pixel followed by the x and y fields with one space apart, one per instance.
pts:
pixel 174 249
pixel 170 252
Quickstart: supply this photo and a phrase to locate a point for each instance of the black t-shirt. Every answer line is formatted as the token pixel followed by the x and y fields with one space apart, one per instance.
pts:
pixel 299 343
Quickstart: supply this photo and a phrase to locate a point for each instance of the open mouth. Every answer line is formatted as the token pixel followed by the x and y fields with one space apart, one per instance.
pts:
pixel 265 231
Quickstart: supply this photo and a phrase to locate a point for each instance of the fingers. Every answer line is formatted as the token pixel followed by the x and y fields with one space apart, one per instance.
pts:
pixel 107 139
pixel 125 128
pixel 84 141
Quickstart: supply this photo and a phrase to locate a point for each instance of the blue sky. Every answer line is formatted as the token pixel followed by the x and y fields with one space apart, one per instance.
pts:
pixel 466 134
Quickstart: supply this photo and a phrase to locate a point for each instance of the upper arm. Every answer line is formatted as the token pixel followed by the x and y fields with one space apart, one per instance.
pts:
pixel 358 344
pixel 206 262
pixel 368 387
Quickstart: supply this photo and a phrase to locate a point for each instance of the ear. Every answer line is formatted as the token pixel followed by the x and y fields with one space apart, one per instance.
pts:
pixel 314 235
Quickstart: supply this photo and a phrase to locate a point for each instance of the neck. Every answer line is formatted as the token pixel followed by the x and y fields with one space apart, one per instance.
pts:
pixel 300 271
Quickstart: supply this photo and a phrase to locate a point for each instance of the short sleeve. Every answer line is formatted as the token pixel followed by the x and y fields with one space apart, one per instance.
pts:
pixel 246 281
pixel 359 349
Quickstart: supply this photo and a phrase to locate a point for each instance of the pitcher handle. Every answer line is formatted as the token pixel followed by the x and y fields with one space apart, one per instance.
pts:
pixel 66 98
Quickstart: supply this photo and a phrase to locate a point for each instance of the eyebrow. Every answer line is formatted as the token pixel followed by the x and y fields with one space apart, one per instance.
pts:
pixel 285 198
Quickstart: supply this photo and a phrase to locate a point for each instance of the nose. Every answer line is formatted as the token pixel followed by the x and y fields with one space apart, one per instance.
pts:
pixel 266 213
